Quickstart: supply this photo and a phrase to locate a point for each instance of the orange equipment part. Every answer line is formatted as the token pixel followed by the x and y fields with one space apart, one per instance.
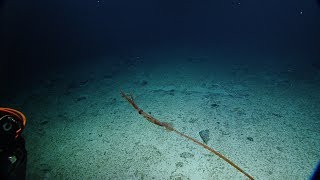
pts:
pixel 18 116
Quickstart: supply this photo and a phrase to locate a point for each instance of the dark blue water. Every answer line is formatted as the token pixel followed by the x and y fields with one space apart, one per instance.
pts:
pixel 42 35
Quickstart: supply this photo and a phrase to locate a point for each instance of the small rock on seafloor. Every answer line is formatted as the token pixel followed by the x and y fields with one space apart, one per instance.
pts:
pixel 204 134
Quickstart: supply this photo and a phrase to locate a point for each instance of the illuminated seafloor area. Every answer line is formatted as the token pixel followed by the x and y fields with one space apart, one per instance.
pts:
pixel 263 117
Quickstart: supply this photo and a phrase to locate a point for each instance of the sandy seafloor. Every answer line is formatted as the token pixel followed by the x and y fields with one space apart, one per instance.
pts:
pixel 262 116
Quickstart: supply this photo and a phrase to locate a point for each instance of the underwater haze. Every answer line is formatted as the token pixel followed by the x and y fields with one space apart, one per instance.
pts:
pixel 240 76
